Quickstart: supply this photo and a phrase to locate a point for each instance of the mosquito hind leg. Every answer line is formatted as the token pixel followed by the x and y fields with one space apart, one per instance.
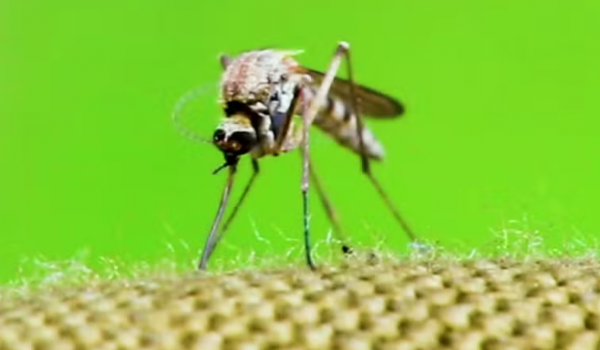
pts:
pixel 329 209
pixel 366 165
pixel 309 115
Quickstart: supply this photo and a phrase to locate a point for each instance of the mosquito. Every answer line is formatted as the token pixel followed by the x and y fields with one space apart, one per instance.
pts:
pixel 261 91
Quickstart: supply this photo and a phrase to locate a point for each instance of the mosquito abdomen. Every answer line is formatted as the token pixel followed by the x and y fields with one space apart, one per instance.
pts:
pixel 337 120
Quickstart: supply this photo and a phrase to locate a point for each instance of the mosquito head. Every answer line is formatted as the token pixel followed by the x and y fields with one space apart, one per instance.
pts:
pixel 234 137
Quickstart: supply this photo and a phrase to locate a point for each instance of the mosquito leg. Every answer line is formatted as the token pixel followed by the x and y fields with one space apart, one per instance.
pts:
pixel 212 239
pixel 255 171
pixel 329 209
pixel 308 116
pixel 305 186
pixel 366 165
pixel 286 122
pixel 331 213
pixel 219 235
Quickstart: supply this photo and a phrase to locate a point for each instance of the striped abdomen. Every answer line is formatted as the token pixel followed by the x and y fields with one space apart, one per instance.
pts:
pixel 337 119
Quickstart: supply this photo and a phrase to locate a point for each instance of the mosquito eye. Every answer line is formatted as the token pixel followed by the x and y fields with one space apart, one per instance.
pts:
pixel 242 140
pixel 219 135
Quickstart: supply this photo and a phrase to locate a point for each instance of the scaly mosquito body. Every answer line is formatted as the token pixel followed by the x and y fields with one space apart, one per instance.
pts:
pixel 261 91
pixel 265 82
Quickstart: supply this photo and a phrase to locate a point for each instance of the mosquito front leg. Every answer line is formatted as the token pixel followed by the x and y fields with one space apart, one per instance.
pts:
pixel 220 233
pixel 255 171
pixel 213 237
pixel 308 116
pixel 366 166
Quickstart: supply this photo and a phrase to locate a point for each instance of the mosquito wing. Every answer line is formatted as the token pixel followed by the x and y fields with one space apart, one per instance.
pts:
pixel 371 102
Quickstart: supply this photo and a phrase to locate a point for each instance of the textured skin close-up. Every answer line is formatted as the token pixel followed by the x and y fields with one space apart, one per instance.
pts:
pixel 477 304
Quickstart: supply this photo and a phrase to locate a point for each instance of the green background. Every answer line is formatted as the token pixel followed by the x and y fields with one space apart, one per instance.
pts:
pixel 501 124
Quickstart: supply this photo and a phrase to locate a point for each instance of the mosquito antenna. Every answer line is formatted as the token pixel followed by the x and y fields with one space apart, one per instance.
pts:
pixel 214 236
pixel 176 115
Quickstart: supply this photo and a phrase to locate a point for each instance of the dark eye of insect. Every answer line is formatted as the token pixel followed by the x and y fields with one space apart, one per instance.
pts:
pixel 219 135
pixel 245 139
